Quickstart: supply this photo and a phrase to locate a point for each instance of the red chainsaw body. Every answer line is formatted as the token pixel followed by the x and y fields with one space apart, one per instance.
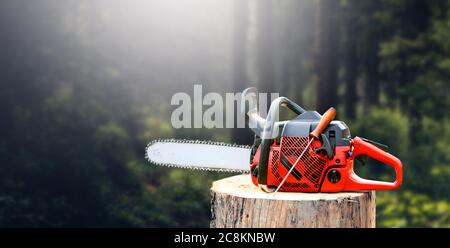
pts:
pixel 316 172
pixel 324 164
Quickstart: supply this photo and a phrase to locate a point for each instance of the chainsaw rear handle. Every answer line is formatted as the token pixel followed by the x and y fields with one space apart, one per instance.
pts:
pixel 361 147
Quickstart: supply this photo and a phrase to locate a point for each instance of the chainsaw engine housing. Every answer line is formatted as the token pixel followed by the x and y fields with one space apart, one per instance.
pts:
pixel 310 172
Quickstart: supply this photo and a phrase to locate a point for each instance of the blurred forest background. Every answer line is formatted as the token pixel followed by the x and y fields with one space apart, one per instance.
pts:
pixel 85 85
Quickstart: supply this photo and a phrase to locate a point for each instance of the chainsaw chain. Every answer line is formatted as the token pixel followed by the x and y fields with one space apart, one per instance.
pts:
pixel 193 167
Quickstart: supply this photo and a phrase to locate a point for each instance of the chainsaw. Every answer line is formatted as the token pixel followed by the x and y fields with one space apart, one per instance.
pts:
pixel 310 153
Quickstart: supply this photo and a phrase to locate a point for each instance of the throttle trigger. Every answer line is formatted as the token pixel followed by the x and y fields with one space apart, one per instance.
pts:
pixel 326 146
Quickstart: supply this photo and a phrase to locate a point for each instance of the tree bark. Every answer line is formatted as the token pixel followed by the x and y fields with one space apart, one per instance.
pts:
pixel 236 202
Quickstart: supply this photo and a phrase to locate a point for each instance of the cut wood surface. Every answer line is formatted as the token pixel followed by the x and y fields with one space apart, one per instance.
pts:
pixel 236 202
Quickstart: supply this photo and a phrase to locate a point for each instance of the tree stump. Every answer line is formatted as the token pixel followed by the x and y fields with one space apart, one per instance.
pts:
pixel 236 202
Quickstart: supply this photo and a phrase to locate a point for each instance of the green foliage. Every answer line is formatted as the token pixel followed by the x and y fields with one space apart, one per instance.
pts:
pixel 185 197
pixel 411 209
pixel 387 126
pixel 430 159
pixel 423 199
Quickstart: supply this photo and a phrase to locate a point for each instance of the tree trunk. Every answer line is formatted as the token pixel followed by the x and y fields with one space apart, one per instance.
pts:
pixel 265 46
pixel 372 87
pixel 236 202
pixel 351 65
pixel 371 59
pixel 239 65
pixel 326 54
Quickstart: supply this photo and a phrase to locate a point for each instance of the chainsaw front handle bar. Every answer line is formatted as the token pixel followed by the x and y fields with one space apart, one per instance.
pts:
pixel 266 128
pixel 361 147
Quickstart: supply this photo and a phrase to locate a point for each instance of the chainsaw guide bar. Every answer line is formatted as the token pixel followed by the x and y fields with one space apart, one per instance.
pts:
pixel 199 155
